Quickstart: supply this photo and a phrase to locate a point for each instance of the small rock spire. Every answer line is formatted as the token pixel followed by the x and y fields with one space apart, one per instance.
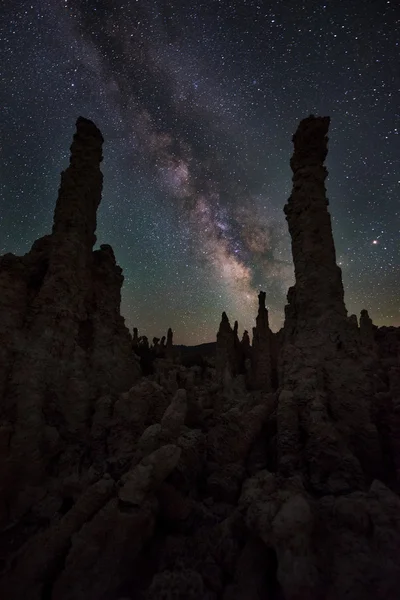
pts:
pixel 225 353
pixel 367 329
pixel 169 352
pixel 261 349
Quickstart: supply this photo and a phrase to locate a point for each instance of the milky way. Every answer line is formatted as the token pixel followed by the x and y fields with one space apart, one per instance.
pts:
pixel 197 103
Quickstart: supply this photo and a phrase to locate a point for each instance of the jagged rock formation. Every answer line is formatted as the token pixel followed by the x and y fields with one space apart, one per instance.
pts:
pixel 238 351
pixel 246 346
pixel 230 352
pixel 319 362
pixel 387 393
pixel 367 330
pixel 169 347
pixel 173 485
pixel 64 342
pixel 261 349
pixel 327 437
pixel 317 275
pixel 225 353
pixel 149 353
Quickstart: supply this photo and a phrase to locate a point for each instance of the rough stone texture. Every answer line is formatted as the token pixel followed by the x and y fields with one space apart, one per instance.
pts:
pixel 37 562
pixel 149 474
pixel 261 349
pixel 132 412
pixel 180 585
pixel 102 552
pixel 387 387
pixel 319 360
pixel 239 352
pixel 189 482
pixel 173 419
pixel 317 275
pixel 246 346
pixel 327 430
pixel 367 330
pixel 329 547
pixel 64 342
pixel 225 352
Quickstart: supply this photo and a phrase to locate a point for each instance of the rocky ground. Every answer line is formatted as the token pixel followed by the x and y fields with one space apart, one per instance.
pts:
pixel 269 472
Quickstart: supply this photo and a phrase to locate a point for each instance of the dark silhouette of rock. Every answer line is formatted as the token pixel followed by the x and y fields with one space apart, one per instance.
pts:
pixel 169 347
pixel 317 297
pixel 144 341
pixel 319 363
pixel 367 330
pixel 225 351
pixel 238 366
pixel 328 444
pixel 64 342
pixel 261 349
pixel 246 344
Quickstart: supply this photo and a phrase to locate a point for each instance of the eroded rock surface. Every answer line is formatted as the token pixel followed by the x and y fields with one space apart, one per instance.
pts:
pixel 64 342
pixel 262 349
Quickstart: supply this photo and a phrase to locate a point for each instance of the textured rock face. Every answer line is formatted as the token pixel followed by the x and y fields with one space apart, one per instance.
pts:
pixel 318 293
pixel 327 426
pixel 319 361
pixel 387 384
pixel 64 342
pixel 261 349
pixel 225 357
pixel 231 353
pixel 367 333
pixel 246 344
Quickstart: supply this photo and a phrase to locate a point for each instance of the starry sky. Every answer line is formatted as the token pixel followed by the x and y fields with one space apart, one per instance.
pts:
pixel 197 102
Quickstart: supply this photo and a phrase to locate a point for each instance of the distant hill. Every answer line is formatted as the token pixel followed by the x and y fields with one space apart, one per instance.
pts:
pixel 196 355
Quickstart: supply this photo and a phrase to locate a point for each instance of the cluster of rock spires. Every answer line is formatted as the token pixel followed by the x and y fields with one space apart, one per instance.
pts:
pixel 257 360
pixel 273 475
pixel 161 346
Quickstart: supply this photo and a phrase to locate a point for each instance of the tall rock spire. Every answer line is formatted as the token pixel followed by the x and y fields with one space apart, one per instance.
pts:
pixel 169 348
pixel 318 293
pixel 65 341
pixel 261 349
pixel 319 370
pixel 225 351
pixel 73 234
pixel 79 194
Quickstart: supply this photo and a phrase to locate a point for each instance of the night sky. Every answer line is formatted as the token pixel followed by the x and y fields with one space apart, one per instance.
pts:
pixel 197 102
